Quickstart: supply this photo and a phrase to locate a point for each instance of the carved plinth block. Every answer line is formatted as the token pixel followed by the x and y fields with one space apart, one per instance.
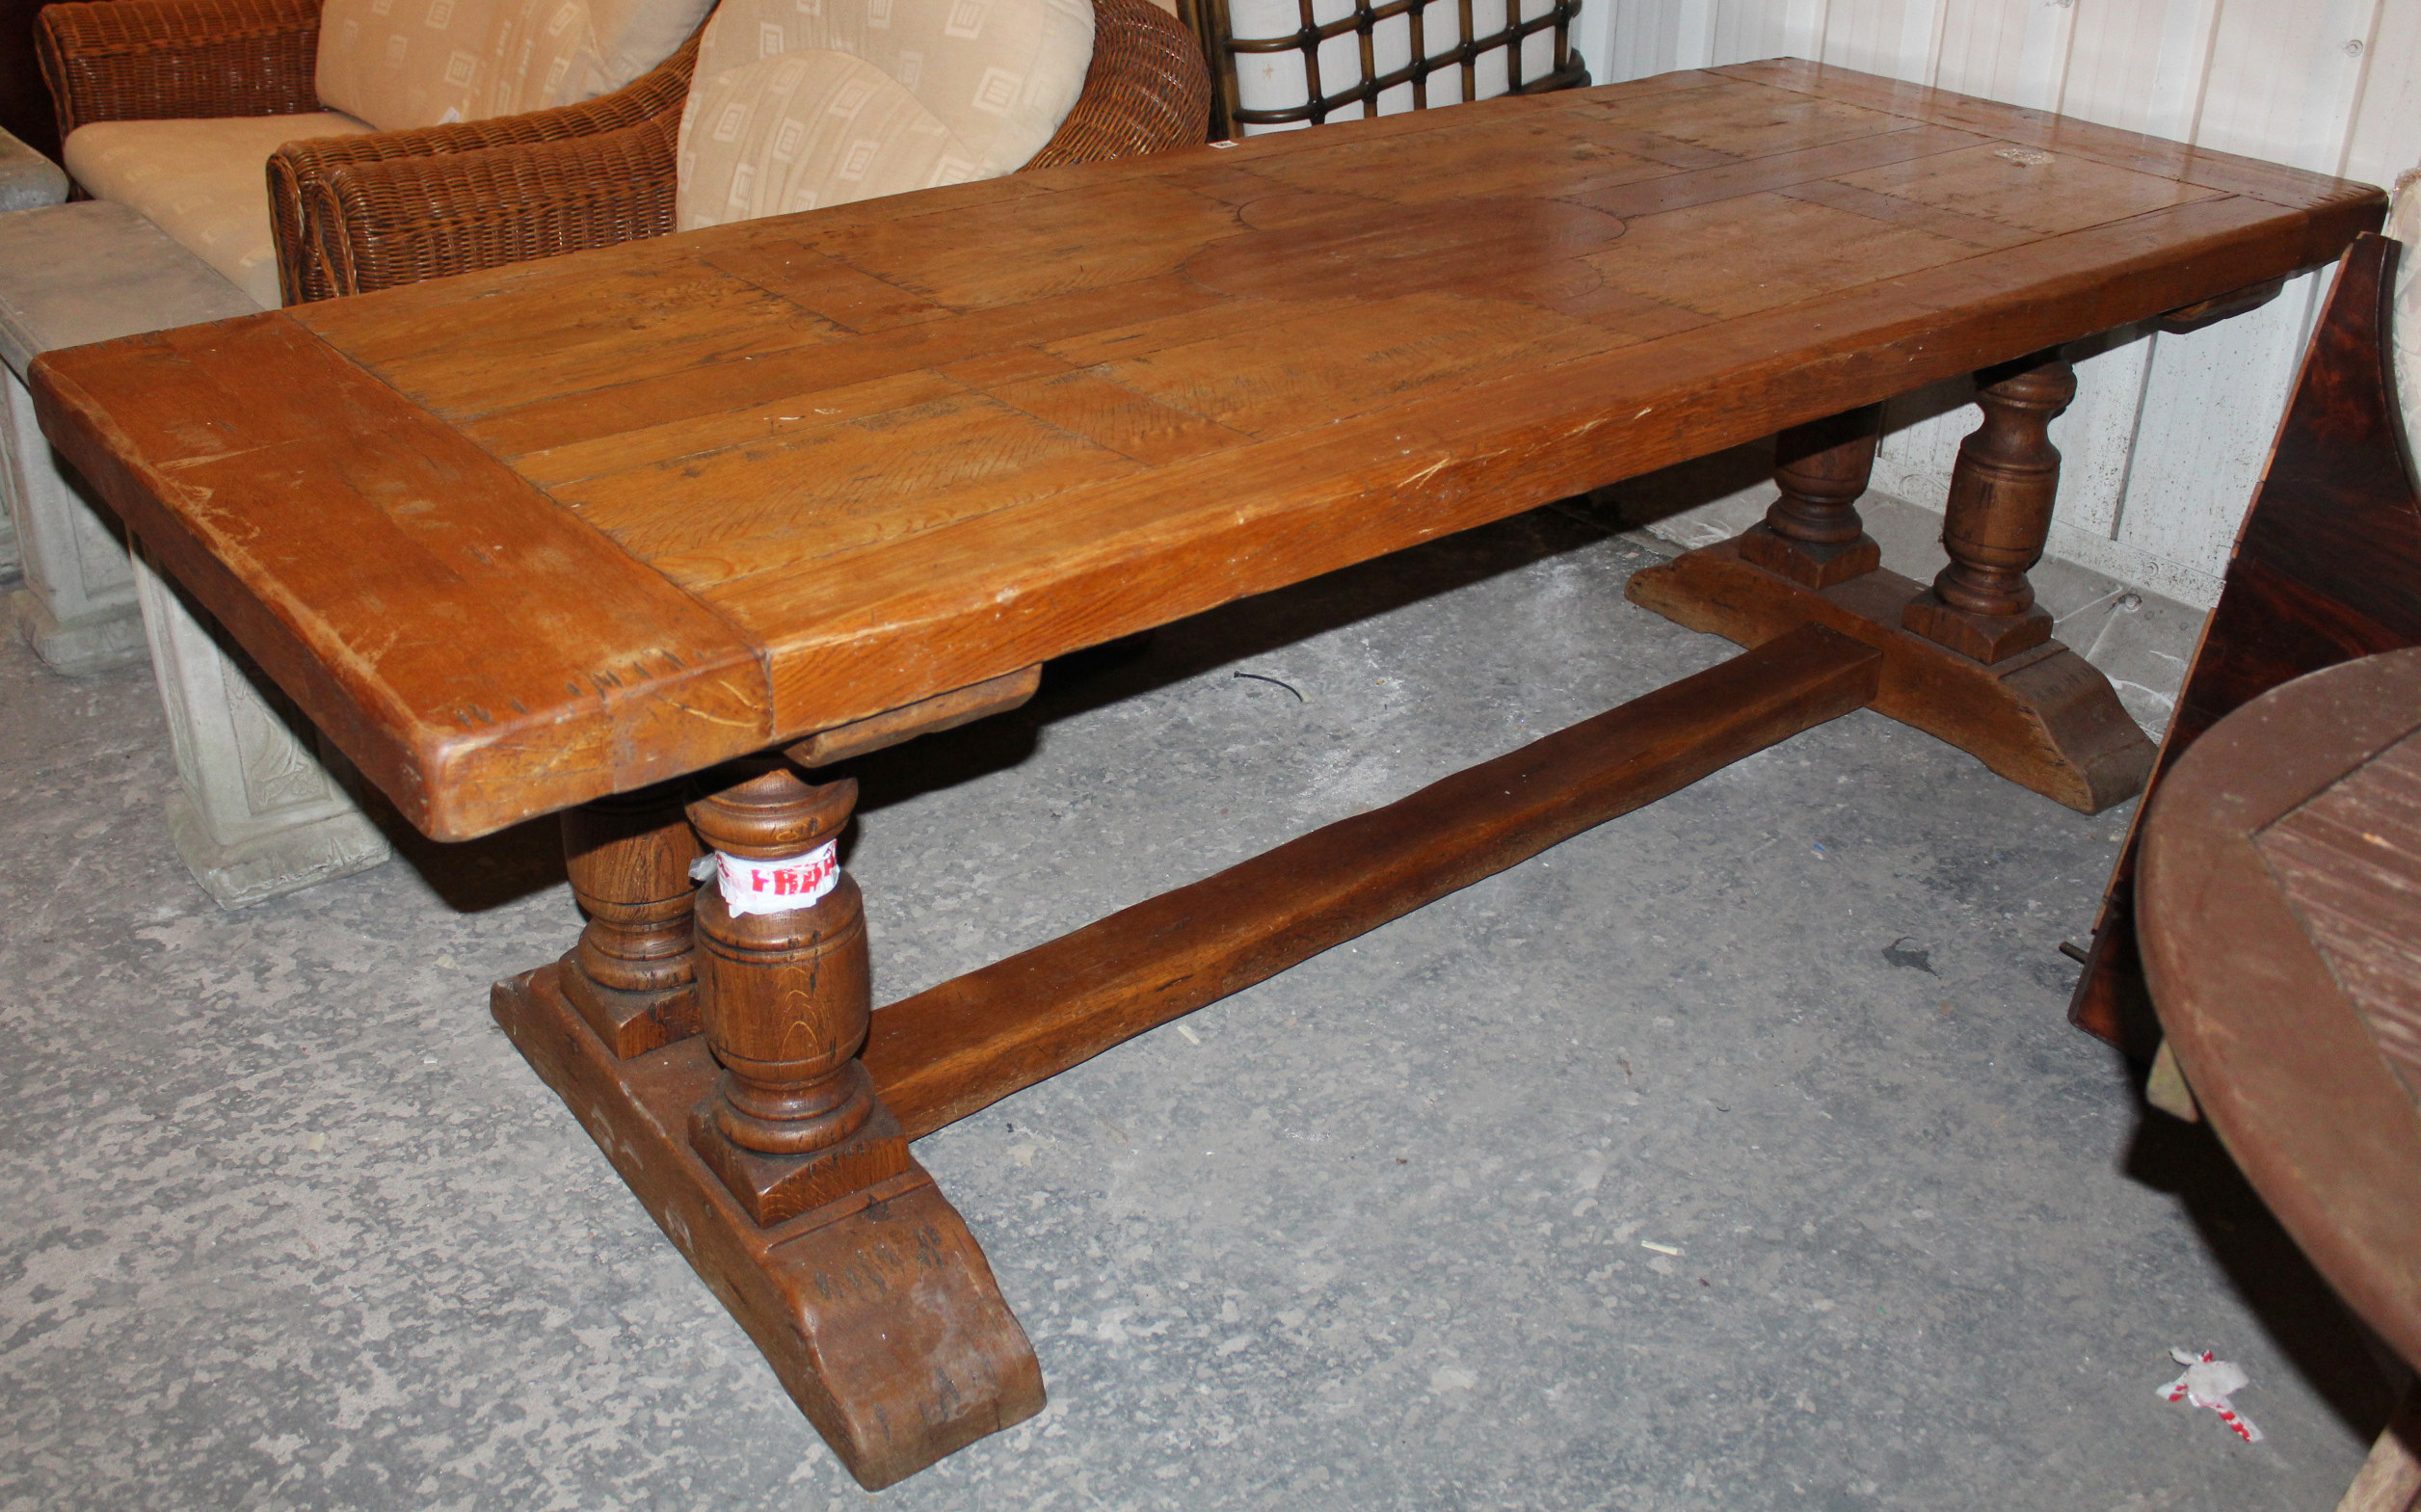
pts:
pixel 878 1313
pixel 259 808
pixel 1985 637
pixel 632 1023
pixel 1809 563
pixel 773 1188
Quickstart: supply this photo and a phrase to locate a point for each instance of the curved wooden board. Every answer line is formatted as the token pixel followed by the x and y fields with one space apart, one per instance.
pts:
pixel 2248 977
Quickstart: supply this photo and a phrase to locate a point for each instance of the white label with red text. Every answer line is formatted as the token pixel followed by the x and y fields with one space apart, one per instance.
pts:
pixel 777 887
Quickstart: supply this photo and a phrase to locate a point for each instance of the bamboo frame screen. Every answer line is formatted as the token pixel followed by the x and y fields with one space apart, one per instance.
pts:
pixel 1302 62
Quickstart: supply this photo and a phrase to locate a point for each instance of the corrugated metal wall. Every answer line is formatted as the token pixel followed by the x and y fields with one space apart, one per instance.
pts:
pixel 2169 434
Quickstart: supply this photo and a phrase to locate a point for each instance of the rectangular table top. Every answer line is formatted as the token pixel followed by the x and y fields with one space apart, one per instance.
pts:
pixel 521 539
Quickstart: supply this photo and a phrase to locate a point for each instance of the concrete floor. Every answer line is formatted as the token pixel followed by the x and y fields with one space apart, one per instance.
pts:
pixel 285 1223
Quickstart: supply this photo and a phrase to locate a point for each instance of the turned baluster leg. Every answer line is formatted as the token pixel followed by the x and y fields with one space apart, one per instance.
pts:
pixel 785 1000
pixel 1812 534
pixel 631 975
pixel 2002 491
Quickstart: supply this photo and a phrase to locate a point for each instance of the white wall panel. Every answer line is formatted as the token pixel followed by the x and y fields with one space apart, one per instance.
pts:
pixel 2169 434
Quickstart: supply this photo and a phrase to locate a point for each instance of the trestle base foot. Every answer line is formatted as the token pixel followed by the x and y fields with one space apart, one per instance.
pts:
pixel 2044 717
pixel 878 1311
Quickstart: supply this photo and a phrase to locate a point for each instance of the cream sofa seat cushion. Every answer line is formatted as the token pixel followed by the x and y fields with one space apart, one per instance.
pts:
pixel 203 182
pixel 402 63
pixel 802 103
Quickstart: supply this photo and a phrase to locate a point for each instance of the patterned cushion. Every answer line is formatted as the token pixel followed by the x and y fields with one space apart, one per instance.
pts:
pixel 203 182
pixel 801 103
pixel 399 63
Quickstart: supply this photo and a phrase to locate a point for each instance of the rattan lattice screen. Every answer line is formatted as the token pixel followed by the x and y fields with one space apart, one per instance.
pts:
pixel 1281 62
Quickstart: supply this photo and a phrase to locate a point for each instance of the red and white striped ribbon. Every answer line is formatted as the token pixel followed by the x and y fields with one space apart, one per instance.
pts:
pixel 777 887
pixel 2208 1382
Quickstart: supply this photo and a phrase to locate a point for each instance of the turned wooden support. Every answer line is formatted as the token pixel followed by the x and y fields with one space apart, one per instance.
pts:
pixel 784 998
pixel 632 974
pixel 1812 534
pixel 2002 490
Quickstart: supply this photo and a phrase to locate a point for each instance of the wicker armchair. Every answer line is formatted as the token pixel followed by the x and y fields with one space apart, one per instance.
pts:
pixel 373 220
pixel 352 214
pixel 174 60
pixel 163 60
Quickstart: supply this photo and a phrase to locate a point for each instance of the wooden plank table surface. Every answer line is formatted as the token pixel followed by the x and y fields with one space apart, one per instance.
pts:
pixel 692 498
pixel 595 534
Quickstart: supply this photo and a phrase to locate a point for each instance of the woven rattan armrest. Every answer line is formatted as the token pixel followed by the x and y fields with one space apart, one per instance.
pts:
pixel 173 60
pixel 307 255
pixel 384 223
pixel 1147 88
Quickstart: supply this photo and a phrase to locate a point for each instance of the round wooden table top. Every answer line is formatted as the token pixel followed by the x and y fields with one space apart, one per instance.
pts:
pixel 2280 909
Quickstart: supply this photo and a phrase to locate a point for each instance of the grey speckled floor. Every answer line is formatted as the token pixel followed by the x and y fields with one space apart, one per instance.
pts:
pixel 287 1222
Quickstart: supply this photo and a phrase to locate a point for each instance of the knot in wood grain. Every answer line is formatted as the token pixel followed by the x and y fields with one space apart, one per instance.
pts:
pixel 1333 246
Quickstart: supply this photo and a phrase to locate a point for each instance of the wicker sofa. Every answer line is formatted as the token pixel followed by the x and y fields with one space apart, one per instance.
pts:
pixel 357 213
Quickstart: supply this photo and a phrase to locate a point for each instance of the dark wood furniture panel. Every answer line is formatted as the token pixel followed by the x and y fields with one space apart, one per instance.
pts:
pixel 2326 569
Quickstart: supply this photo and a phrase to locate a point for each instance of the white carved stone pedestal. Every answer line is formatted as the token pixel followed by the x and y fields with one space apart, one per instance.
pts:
pixel 259 808
pixel 256 812
pixel 28 181
pixel 77 607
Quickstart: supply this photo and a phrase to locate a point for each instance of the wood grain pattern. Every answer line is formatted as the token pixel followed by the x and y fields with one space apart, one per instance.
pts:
pixel 2348 862
pixel 2022 126
pixel 2274 910
pixel 966 1044
pixel 912 444
pixel 358 549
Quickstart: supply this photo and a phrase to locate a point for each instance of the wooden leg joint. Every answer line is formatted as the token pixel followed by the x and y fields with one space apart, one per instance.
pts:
pixel 1811 535
pixel 1807 563
pixel 793 1122
pixel 961 1045
pixel 632 975
pixel 924 717
pixel 773 1188
pixel 1969 658
pixel 1998 515
pixel 2043 718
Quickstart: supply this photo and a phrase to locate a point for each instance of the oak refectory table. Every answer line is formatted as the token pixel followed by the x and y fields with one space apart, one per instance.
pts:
pixel 655 535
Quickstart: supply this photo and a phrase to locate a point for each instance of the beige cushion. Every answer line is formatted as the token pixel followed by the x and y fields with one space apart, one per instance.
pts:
pixel 203 182
pixel 802 103
pixel 400 64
